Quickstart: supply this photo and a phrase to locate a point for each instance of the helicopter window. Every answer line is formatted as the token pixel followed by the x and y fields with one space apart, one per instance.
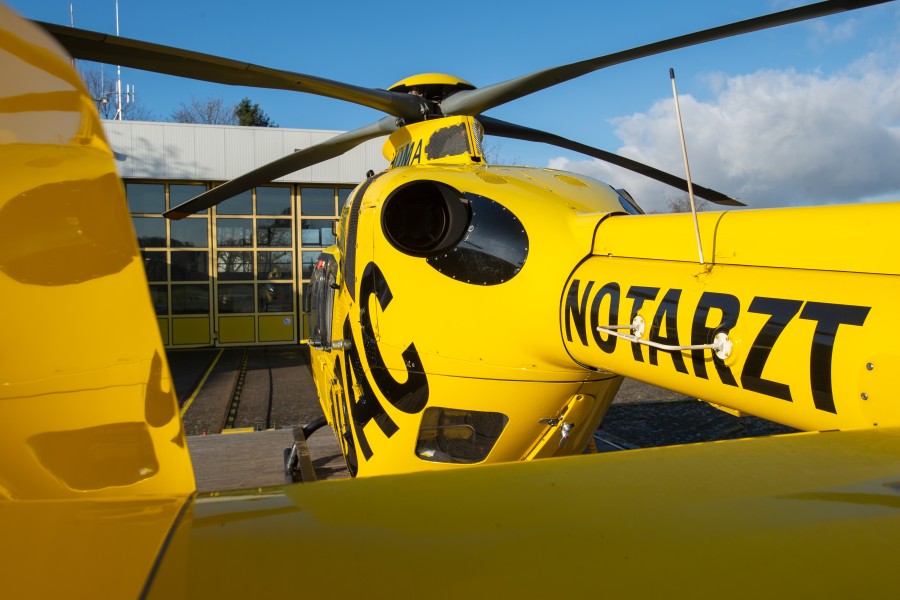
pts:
pixel 234 232
pixel 190 299
pixel 275 297
pixel 232 265
pixel 273 200
pixel 150 231
pixel 236 298
pixel 316 232
pixel 317 202
pixel 154 265
pixel 275 265
pixel 309 262
pixel 273 232
pixel 190 266
pixel 238 205
pixel 628 203
pixel 146 197
pixel 190 233
pixel 448 141
pixel 321 299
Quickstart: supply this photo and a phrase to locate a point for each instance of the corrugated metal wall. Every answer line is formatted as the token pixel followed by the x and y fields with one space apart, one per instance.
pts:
pixel 219 152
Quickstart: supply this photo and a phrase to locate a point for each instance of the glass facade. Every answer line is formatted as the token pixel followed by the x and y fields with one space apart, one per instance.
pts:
pixel 233 274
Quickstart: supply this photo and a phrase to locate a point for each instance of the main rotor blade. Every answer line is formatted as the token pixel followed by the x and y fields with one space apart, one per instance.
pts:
pixel 511 130
pixel 101 47
pixel 301 159
pixel 473 102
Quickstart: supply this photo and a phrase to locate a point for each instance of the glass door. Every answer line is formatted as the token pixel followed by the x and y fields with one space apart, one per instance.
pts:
pixel 254 268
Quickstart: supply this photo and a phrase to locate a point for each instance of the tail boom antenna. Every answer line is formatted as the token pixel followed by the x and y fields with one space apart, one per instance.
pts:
pixel 687 167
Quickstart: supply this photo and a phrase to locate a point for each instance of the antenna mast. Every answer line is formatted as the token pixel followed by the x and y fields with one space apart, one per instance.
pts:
pixel 687 167
pixel 118 116
pixel 72 23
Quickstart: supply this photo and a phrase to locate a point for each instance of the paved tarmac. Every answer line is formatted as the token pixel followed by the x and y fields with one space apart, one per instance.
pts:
pixel 264 387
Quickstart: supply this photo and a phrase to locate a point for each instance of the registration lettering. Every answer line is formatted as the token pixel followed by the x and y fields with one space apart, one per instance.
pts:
pixel 582 311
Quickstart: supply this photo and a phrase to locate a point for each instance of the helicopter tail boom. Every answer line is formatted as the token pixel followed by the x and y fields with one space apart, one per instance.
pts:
pixel 793 330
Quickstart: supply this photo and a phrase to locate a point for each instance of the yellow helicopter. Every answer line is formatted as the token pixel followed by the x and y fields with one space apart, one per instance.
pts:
pixel 96 482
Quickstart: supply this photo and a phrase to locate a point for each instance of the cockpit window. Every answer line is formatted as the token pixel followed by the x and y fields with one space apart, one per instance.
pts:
pixel 628 203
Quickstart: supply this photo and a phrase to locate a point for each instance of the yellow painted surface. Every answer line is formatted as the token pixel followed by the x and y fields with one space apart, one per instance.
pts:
pixel 101 548
pixel 93 462
pixel 431 79
pixel 276 328
pixel 96 415
pixel 817 238
pixel 805 515
pixel 190 330
pixel 234 330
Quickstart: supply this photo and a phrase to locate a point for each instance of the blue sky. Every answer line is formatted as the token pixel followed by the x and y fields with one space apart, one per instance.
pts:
pixel 807 113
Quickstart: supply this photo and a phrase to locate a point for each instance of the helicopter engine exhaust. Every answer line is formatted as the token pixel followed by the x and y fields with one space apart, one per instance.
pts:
pixel 423 218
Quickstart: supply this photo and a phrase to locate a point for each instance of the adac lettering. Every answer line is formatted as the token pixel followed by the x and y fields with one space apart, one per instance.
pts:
pixel 409 397
pixel 582 310
pixel 408 154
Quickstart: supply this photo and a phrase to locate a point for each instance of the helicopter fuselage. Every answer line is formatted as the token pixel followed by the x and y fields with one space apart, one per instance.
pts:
pixel 435 338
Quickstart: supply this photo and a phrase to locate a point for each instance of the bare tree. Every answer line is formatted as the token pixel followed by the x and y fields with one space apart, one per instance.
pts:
pixel 494 154
pixel 211 111
pixel 682 203
pixel 103 91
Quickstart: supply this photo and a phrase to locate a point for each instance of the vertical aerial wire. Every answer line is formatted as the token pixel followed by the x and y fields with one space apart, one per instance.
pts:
pixel 72 24
pixel 687 167
pixel 118 74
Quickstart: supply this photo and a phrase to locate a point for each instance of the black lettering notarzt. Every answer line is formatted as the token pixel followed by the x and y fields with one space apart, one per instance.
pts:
pixel 577 310
pixel 611 289
pixel 828 318
pixel 781 312
pixel 639 294
pixel 668 312
pixel 702 334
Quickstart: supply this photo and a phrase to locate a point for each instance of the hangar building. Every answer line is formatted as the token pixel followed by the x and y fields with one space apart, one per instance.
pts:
pixel 232 275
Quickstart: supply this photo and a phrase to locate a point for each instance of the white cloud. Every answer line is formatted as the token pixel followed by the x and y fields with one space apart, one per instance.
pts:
pixel 772 138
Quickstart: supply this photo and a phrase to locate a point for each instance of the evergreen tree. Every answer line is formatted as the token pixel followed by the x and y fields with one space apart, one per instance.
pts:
pixel 250 114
